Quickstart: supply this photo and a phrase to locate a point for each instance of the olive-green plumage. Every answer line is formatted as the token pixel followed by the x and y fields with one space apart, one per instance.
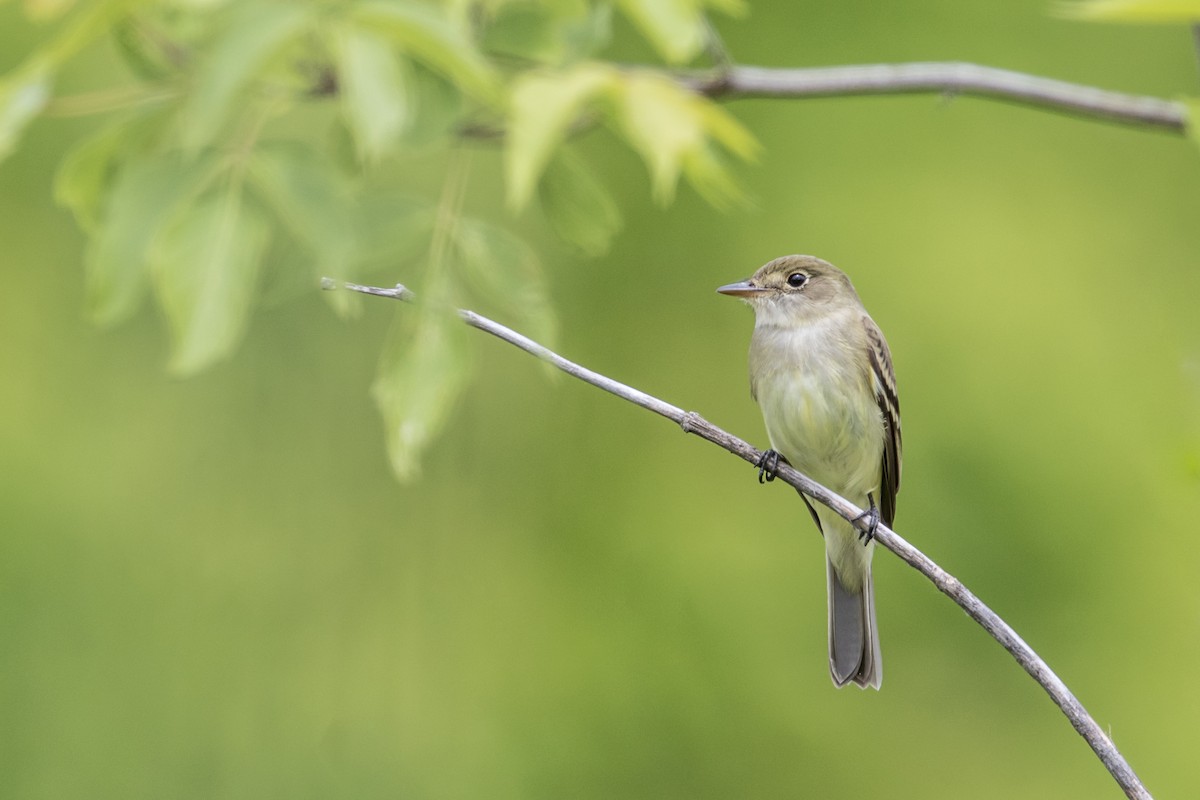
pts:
pixel 822 374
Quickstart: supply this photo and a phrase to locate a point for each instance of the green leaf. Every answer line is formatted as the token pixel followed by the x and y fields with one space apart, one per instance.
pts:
pixel 255 32
pixel 142 52
pixel 206 269
pixel 95 20
pixel 503 270
pixel 438 107
pixel 46 10
pixel 555 33
pixel 670 126
pixel 86 173
pixel 89 169
pixel 373 91
pixel 145 194
pixel 544 105
pixel 422 370
pixel 577 205
pixel 393 227
pixel 1132 10
pixel 676 28
pixel 589 34
pixel 707 173
pixel 311 197
pixel 525 31
pixel 722 126
pixel 23 95
pixel 427 35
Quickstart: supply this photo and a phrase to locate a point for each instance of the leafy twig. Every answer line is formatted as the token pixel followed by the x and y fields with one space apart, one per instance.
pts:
pixel 692 422
pixel 729 81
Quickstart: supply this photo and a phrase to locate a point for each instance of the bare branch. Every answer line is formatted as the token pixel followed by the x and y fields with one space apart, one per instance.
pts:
pixel 692 422
pixel 945 78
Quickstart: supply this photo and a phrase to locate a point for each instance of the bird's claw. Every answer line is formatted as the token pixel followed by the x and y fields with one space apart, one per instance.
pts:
pixel 768 466
pixel 872 515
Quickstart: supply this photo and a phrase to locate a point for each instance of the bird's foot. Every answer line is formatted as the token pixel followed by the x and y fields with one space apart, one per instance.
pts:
pixel 768 465
pixel 872 517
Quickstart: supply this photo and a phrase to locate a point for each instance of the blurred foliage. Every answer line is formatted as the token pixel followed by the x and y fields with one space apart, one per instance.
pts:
pixel 215 587
pixel 203 164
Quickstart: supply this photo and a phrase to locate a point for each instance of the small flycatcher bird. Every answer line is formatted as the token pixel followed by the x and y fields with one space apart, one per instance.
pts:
pixel 822 375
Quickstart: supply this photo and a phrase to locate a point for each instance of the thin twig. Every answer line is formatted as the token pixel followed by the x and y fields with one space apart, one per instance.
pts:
pixel 692 422
pixel 108 100
pixel 942 77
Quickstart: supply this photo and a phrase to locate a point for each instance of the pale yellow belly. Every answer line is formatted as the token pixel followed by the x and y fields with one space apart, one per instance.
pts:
pixel 827 424
pixel 836 438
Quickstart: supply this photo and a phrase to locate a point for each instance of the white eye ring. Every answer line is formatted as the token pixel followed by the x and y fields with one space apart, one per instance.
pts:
pixel 796 279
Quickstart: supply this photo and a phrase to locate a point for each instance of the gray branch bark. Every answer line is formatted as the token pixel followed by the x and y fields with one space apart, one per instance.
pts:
pixel 951 78
pixel 691 422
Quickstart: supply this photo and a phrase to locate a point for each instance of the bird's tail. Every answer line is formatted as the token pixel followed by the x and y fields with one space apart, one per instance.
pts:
pixel 853 635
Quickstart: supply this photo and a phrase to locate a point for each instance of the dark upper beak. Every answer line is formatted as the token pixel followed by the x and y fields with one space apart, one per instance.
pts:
pixel 740 289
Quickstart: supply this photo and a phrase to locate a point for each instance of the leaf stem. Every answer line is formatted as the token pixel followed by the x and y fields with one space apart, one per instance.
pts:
pixel 106 101
pixel 448 211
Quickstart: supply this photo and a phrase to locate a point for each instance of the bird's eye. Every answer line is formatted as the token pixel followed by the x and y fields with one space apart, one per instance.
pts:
pixel 796 279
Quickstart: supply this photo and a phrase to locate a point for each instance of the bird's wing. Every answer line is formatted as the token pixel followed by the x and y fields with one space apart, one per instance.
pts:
pixel 883 379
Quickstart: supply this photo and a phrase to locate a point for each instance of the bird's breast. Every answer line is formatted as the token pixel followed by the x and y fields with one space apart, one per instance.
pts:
pixel 813 387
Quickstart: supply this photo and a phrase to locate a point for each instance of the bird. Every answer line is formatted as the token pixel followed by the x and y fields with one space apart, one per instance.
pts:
pixel 822 375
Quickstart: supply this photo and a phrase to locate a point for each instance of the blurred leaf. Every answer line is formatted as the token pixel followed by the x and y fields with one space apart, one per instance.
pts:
pixel 23 95
pixel 392 227
pixel 437 105
pixel 723 127
pixel 95 20
pixel 502 269
pixel 711 178
pixel 427 35
pixel 88 170
pixel 669 126
pixel 205 269
pixel 143 54
pixel 373 91
pixel 589 34
pixel 422 370
pixel 544 105
pixel 311 197
pixel 254 32
pixel 1132 10
pixel 347 305
pixel 45 10
pixel 527 31
pixel 551 34
pixel 577 205
pixel 144 196
pixel 676 28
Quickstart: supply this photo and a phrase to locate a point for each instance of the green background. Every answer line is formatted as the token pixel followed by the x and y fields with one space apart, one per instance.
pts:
pixel 214 587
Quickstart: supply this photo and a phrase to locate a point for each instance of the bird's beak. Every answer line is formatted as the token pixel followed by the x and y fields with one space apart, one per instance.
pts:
pixel 740 289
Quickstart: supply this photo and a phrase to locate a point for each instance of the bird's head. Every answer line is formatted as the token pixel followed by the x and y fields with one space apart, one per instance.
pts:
pixel 793 289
